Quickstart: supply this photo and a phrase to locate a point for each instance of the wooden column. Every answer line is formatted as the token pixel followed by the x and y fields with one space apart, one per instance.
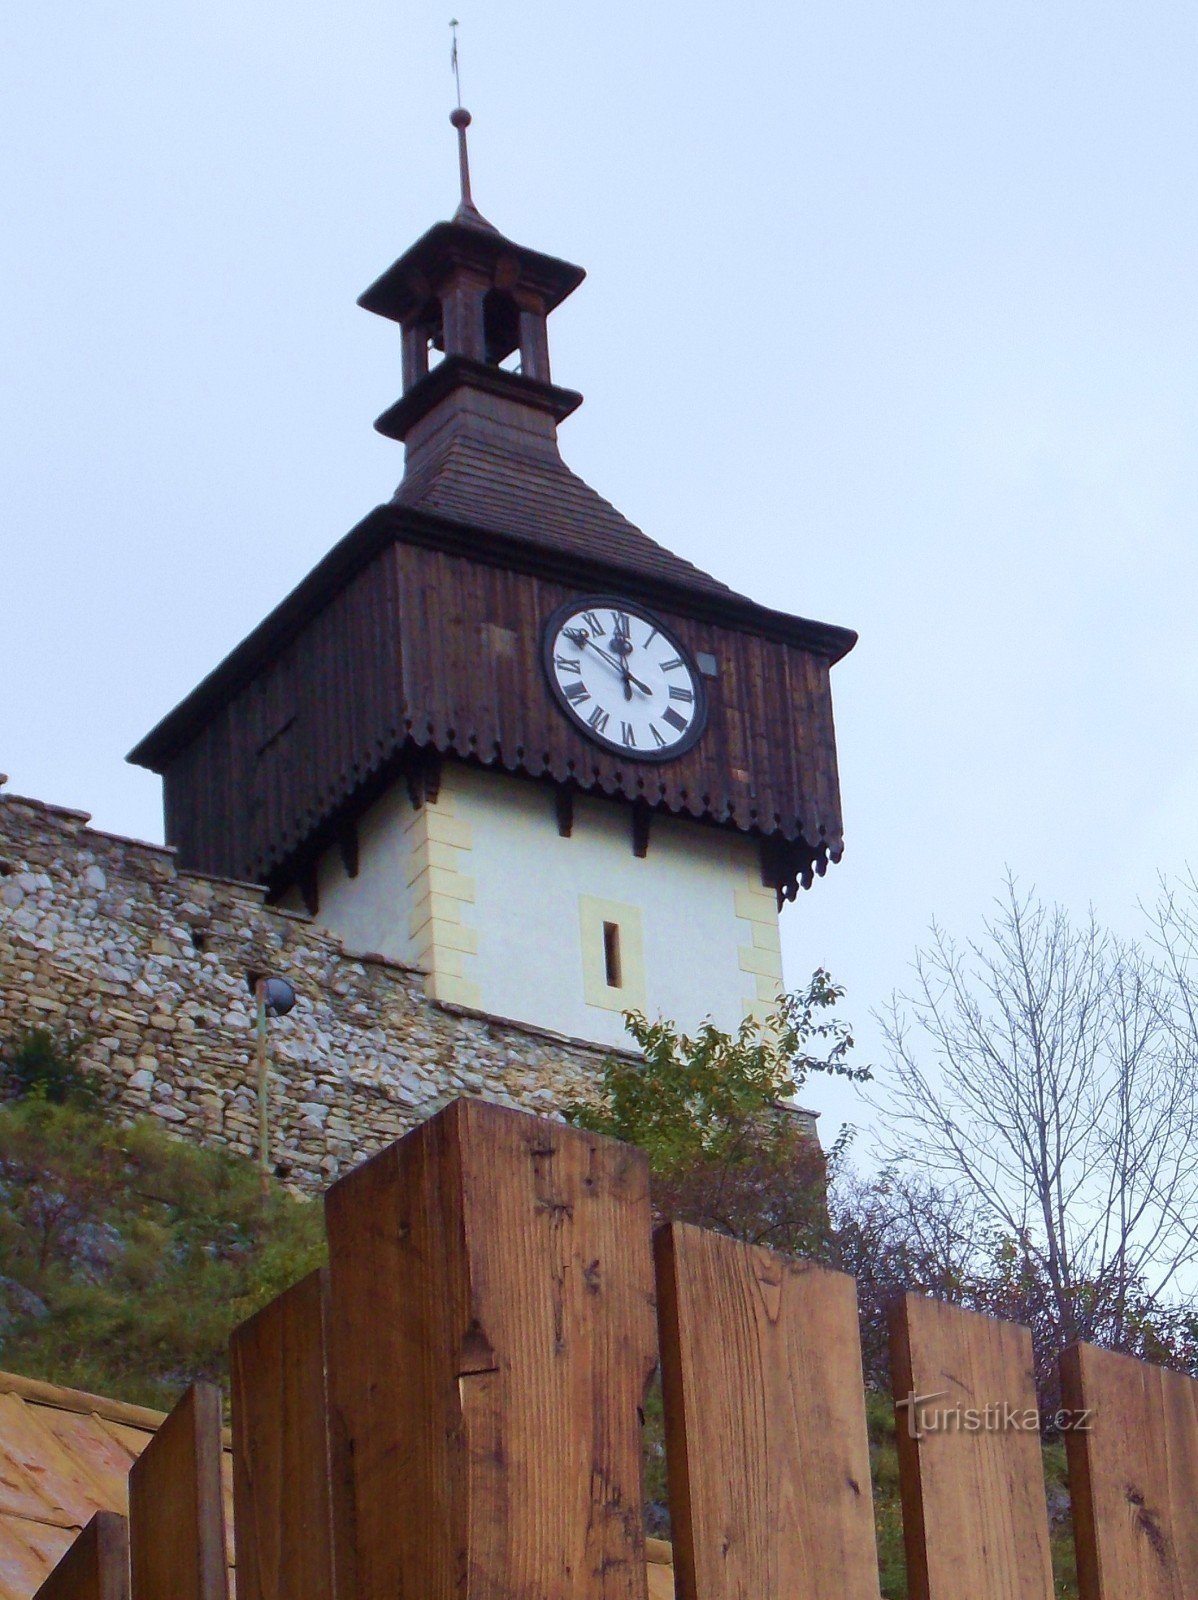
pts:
pixel 462 315
pixel 282 1459
pixel 975 1519
pixel 534 344
pixel 96 1567
pixel 492 1337
pixel 176 1514
pixel 765 1423
pixel 415 353
pixel 1132 1445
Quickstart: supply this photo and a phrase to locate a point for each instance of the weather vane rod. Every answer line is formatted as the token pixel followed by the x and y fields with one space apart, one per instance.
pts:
pixel 460 118
pixel 453 60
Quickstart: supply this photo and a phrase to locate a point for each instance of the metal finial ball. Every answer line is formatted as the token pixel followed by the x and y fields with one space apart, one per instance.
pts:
pixel 460 117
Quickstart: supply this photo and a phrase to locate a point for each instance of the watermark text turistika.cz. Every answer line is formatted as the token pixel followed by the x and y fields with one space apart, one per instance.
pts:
pixel 924 1417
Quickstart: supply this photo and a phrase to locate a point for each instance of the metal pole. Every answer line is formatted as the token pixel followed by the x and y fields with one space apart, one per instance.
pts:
pixel 263 1101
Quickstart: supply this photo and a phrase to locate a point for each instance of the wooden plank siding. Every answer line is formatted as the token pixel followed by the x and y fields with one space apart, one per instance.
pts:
pixel 176 1505
pixel 971 1477
pixel 425 647
pixel 282 1456
pixel 492 1339
pixel 454 1414
pixel 1133 1476
pixel 96 1567
pixel 766 1438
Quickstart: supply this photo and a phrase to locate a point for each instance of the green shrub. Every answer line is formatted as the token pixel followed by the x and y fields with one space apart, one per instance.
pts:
pixel 39 1064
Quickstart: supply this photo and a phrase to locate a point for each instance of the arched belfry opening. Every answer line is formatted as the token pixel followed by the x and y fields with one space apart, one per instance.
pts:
pixel 501 330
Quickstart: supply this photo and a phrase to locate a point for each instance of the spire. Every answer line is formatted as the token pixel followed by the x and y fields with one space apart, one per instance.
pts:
pixel 467 211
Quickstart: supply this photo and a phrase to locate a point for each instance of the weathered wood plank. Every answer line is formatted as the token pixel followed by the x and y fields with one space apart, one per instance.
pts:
pixel 282 1463
pixel 765 1423
pixel 492 1337
pixel 1133 1476
pixel 975 1519
pixel 96 1567
pixel 176 1511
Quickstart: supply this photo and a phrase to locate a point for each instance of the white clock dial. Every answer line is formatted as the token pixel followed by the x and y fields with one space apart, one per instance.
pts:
pixel 623 678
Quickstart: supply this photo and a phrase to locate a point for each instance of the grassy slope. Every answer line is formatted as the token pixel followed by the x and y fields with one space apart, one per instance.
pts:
pixel 126 1257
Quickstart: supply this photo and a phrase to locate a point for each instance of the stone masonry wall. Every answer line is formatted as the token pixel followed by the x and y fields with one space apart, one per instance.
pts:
pixel 105 937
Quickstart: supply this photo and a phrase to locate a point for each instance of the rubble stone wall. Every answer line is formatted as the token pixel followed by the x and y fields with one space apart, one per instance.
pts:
pixel 106 938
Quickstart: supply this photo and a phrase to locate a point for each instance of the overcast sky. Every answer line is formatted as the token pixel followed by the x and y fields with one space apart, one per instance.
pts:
pixel 890 320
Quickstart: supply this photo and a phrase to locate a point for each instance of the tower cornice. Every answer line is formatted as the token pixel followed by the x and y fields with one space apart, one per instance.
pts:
pixel 460 372
pixel 400 292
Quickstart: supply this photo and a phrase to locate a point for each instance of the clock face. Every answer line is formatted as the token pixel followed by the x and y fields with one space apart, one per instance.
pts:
pixel 622 677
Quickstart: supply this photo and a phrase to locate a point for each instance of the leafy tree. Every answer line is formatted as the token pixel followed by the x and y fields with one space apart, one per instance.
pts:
pixel 712 1111
pixel 726 1149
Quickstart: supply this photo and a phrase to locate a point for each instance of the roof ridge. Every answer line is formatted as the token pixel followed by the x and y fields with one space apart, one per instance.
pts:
pixel 59 1398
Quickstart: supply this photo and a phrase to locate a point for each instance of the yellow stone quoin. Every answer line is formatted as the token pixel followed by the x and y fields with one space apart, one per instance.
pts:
pixel 439 845
pixel 761 958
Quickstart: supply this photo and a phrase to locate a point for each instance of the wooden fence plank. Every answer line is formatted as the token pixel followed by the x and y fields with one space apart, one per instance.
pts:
pixel 176 1512
pixel 96 1567
pixel 492 1337
pixel 765 1423
pixel 1133 1476
pixel 282 1467
pixel 975 1519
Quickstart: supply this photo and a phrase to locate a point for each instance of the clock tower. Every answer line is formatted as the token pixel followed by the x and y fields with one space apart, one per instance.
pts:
pixel 498 732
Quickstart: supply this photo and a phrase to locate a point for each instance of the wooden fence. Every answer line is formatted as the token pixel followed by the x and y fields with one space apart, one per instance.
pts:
pixel 452 1410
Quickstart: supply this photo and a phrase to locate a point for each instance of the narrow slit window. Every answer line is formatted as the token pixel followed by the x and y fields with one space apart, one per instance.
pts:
pixel 611 955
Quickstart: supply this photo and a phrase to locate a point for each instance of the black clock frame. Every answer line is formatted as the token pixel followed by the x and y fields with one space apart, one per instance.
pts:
pixel 609 602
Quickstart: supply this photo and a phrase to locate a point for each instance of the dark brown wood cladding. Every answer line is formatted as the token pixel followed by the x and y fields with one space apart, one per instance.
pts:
pixel 425 648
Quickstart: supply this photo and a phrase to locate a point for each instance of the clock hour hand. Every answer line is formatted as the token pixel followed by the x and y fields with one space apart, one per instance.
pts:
pixel 581 638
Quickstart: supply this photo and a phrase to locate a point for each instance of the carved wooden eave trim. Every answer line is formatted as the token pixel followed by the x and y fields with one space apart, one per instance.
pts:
pixel 391 523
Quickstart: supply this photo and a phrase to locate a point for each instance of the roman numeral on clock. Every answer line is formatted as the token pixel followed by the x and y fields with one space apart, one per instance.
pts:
pixel 628 735
pixel 565 664
pixel 620 618
pixel 672 666
pixel 592 622
pixel 576 693
pixel 657 738
pixel 681 694
pixel 671 716
pixel 598 719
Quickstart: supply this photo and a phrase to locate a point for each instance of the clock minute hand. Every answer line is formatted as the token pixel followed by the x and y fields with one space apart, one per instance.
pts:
pixel 581 639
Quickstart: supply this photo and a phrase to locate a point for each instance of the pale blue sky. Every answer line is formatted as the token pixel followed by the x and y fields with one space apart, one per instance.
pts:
pixel 890 321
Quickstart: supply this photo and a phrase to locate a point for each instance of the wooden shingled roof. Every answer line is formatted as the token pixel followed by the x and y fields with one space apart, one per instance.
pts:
pixel 533 495
pixel 65 1455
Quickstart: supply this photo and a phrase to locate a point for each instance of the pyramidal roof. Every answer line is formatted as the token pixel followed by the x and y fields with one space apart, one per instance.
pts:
pixel 481 476
pixel 467 293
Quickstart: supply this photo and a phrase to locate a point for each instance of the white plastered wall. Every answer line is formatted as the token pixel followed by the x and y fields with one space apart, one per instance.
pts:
pixel 372 911
pixel 506 916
